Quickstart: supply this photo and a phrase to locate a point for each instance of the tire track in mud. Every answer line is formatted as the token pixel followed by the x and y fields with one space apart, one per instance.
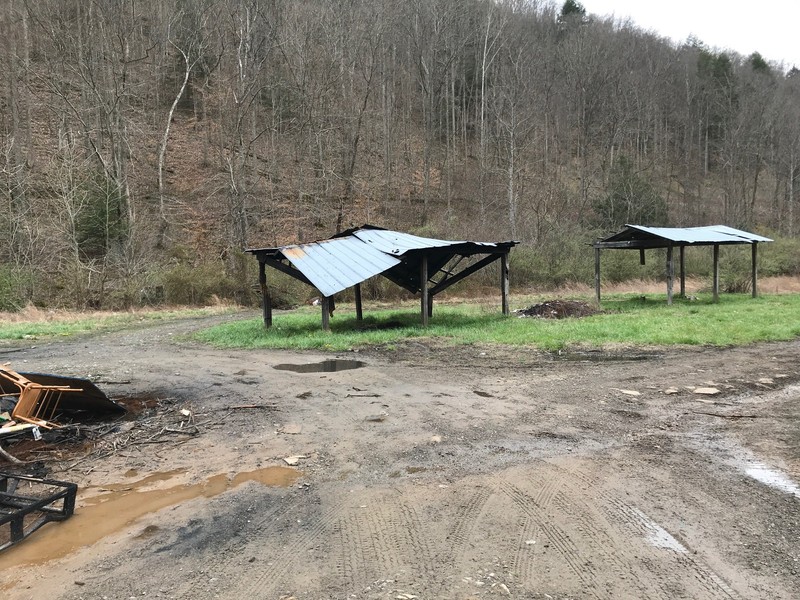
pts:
pixel 524 558
pixel 267 579
pixel 557 537
pixel 465 520
pixel 630 519
pixel 228 559
pixel 378 542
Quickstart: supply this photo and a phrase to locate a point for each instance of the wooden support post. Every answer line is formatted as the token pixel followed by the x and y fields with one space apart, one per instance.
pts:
pixel 641 256
pixel 423 288
pixel 597 274
pixel 266 301
pixel 683 270
pixel 670 274
pixel 504 288
pixel 326 313
pixel 359 311
pixel 715 282
pixel 755 272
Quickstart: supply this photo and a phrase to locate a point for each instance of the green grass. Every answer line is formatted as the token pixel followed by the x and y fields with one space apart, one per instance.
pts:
pixel 628 319
pixel 44 326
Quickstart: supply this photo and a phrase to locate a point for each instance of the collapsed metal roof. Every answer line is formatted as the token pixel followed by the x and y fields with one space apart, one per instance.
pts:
pixel 355 255
pixel 640 236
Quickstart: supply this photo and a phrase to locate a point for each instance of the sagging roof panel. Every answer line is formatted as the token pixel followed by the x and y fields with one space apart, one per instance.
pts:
pixel 355 255
pixel 712 234
pixel 397 243
pixel 337 264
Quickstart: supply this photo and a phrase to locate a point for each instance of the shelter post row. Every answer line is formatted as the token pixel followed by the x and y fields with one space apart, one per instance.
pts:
pixel 420 265
pixel 639 237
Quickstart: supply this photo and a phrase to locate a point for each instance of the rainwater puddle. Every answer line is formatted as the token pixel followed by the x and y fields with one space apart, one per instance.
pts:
pixel 326 366
pixel 773 478
pixel 119 505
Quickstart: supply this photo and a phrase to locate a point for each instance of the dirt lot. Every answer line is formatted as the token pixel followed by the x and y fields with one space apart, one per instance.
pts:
pixel 429 472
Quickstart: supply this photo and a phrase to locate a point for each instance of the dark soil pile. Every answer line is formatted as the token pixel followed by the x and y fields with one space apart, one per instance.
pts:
pixel 558 309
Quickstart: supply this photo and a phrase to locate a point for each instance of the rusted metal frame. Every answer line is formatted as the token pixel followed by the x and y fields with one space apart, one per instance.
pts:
pixel 266 300
pixel 754 258
pixel 670 274
pixel 466 272
pixel 631 245
pixel 22 506
pixel 290 271
pixel 446 274
pixel 715 268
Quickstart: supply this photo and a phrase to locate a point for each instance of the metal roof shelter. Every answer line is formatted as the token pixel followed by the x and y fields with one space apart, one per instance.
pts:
pixel 639 237
pixel 420 265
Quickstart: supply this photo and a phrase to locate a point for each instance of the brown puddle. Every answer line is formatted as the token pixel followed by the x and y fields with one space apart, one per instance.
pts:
pixel 112 511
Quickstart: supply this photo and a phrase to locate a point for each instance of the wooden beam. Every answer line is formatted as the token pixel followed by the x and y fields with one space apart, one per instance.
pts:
pixel 715 283
pixel 423 288
pixel 359 311
pixel 755 271
pixel 266 300
pixel 683 270
pixel 504 287
pixel 641 256
pixel 442 286
pixel 326 313
pixel 597 274
pixel 670 274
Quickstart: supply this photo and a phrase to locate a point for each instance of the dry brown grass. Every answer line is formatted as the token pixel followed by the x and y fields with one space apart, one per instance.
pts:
pixel 32 314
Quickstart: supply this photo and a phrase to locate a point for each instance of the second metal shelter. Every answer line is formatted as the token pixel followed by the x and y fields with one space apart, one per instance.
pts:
pixel 420 265
pixel 639 237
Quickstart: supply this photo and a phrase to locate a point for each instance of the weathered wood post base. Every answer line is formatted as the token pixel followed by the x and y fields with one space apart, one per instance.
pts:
pixel 597 275
pixel 504 287
pixel 266 300
pixel 423 288
pixel 670 274
pixel 359 311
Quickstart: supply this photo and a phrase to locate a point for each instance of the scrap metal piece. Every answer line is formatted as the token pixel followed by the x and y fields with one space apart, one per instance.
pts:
pixel 27 503
pixel 42 398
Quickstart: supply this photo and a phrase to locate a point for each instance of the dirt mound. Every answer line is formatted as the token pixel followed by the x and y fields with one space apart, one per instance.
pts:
pixel 558 309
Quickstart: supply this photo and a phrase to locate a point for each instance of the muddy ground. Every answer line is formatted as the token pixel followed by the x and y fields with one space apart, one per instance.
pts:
pixel 430 472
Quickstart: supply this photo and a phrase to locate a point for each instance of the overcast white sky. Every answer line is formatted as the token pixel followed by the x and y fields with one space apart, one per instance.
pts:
pixel 770 27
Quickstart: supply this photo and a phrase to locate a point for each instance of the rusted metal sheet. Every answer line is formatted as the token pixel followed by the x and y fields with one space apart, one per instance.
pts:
pixel 27 503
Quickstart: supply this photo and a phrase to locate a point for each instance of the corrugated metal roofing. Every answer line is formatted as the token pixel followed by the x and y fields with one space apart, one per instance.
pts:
pixel 711 234
pixel 337 264
pixel 356 255
pixel 398 243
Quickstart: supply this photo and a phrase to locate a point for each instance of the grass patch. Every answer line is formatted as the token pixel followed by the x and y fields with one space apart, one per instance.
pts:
pixel 628 319
pixel 37 324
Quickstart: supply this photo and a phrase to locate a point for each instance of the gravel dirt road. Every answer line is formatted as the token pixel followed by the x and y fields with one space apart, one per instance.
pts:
pixel 427 472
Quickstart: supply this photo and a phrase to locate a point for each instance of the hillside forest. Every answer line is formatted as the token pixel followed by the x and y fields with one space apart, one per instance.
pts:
pixel 145 143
